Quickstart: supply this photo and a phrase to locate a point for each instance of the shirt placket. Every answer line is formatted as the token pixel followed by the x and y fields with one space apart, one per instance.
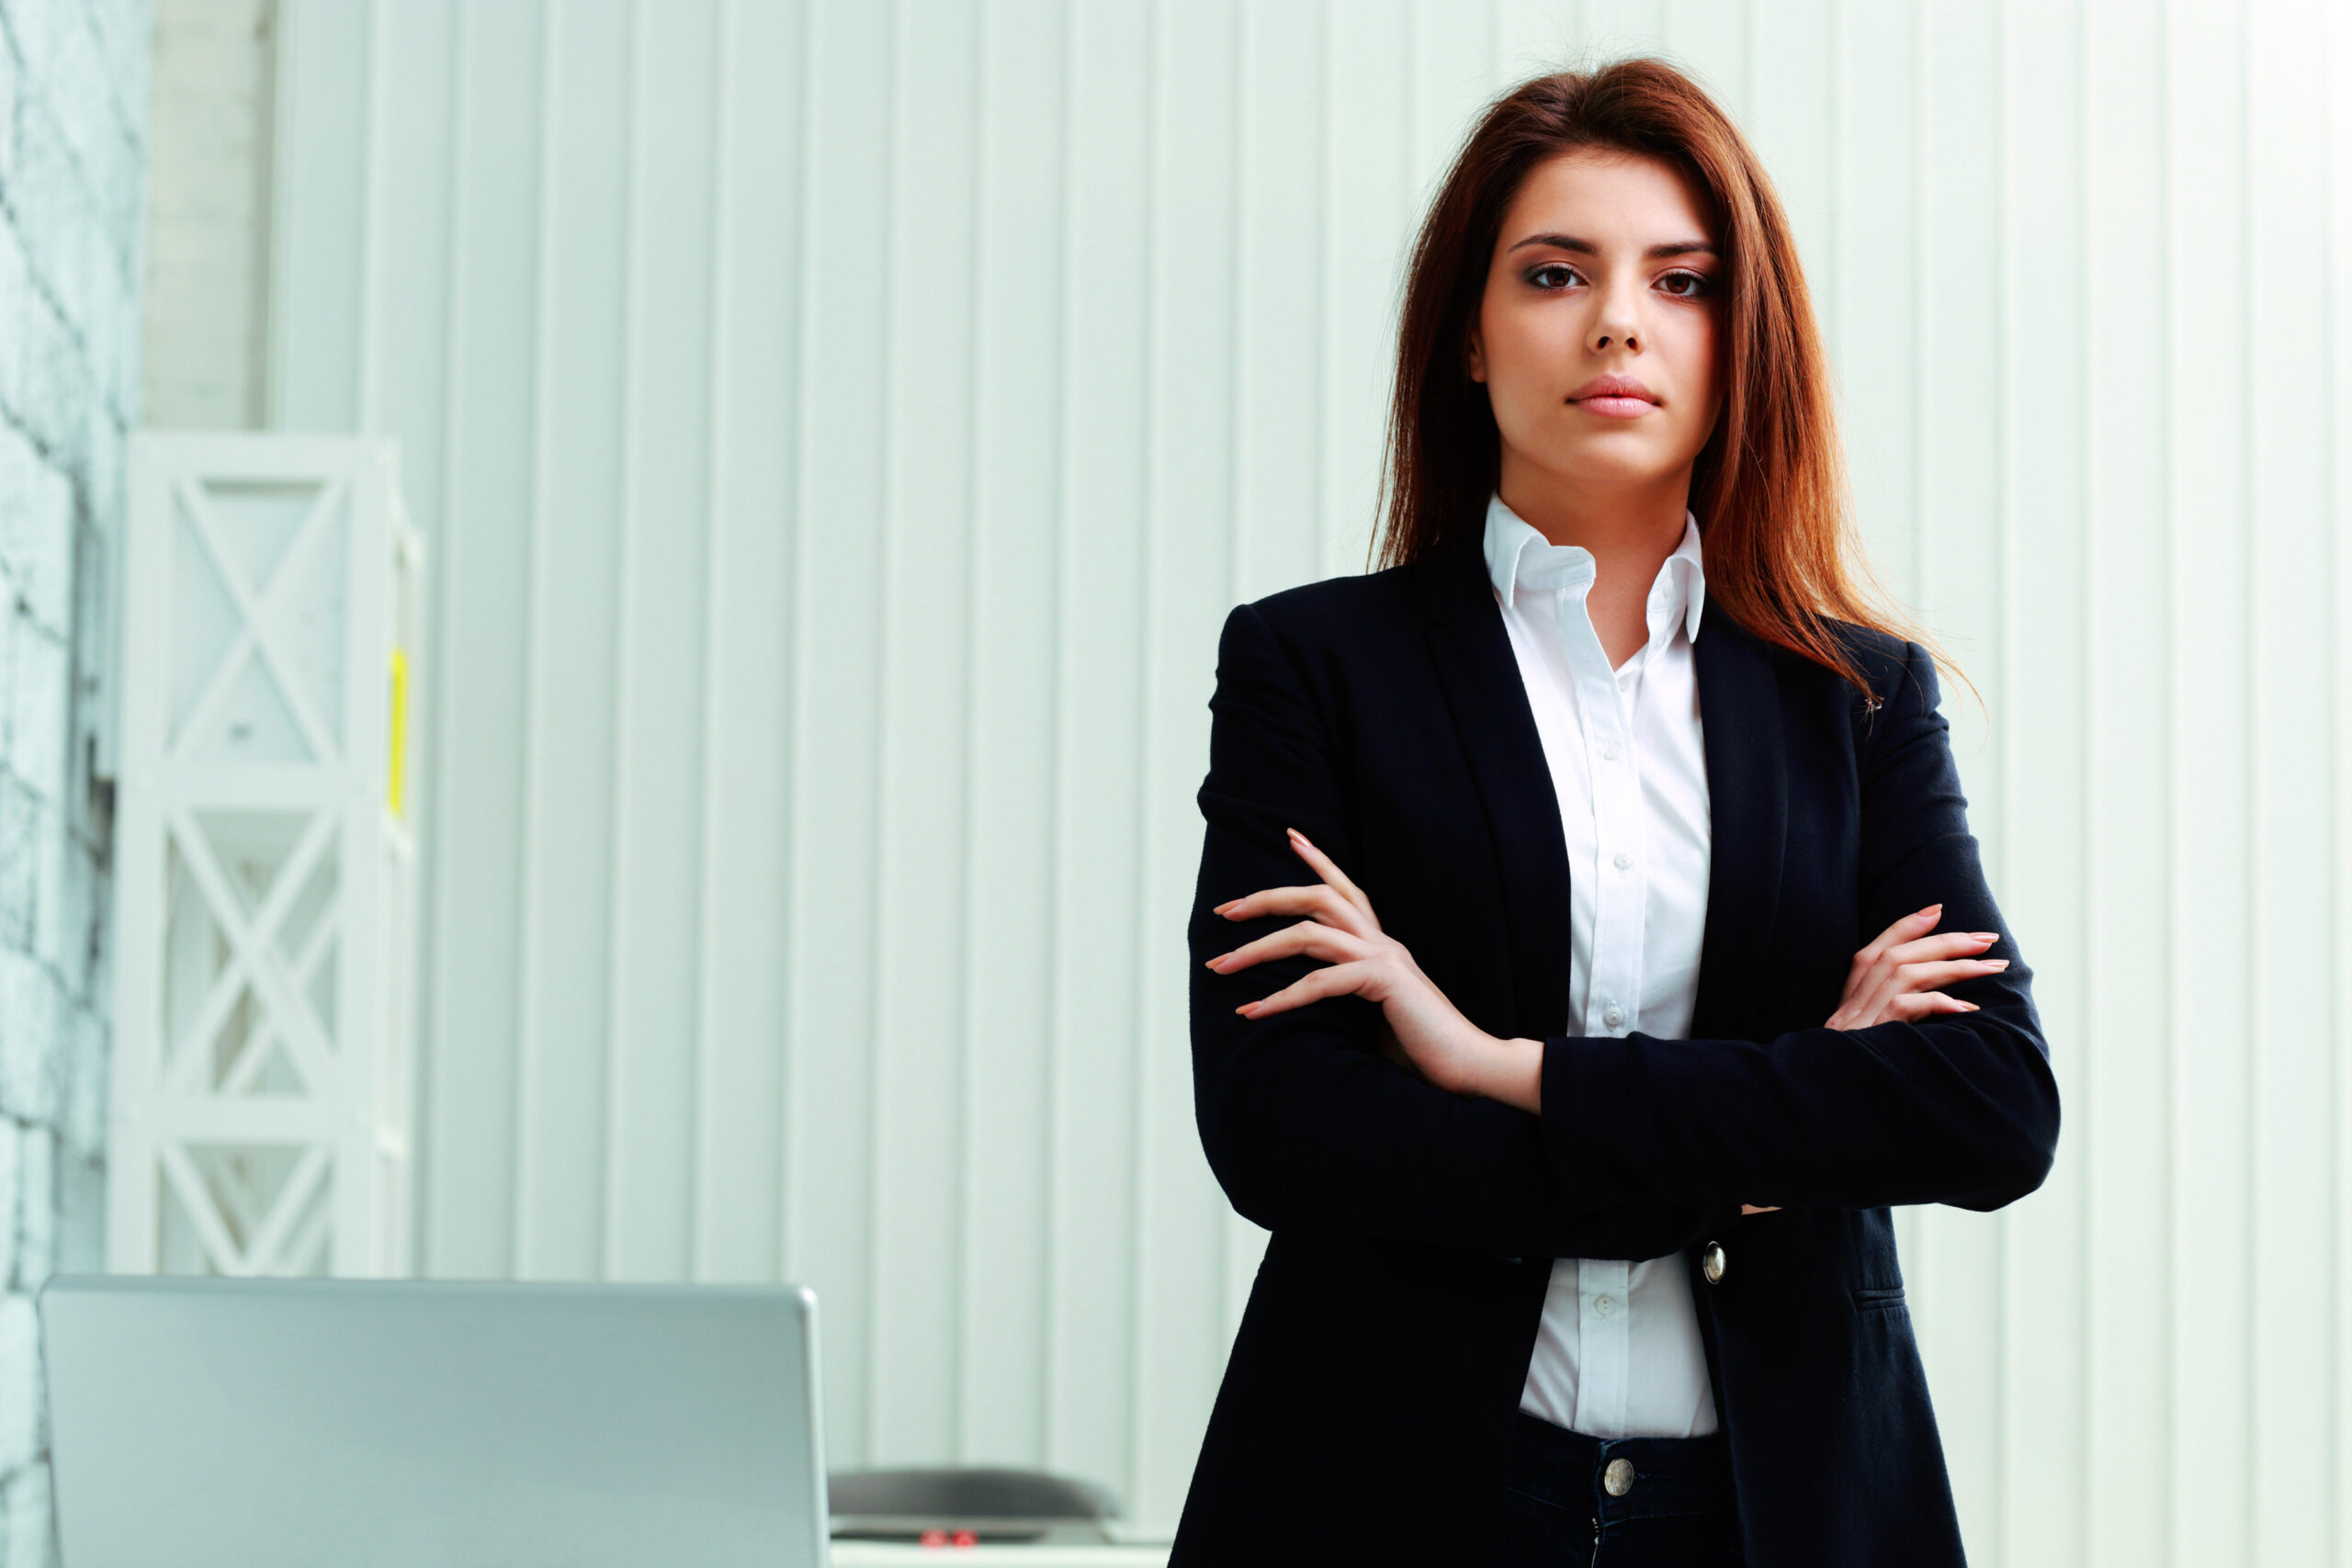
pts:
pixel 1613 988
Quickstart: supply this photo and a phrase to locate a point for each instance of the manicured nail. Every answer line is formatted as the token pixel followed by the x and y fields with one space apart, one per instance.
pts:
pixel 1244 1009
pixel 1931 909
pixel 1993 963
pixel 1972 1006
pixel 1985 936
pixel 1228 904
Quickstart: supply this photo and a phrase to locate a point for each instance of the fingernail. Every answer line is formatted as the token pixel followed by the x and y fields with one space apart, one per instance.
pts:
pixel 1993 963
pixel 1244 1009
pixel 1218 960
pixel 1972 1006
pixel 1931 909
pixel 1986 936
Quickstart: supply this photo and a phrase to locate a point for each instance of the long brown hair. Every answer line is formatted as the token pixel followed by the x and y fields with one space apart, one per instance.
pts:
pixel 1768 488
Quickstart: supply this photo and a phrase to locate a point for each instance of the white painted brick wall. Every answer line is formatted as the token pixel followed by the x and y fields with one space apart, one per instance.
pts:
pixel 73 92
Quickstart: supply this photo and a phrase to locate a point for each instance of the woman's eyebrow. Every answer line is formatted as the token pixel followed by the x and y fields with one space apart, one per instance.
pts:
pixel 1586 247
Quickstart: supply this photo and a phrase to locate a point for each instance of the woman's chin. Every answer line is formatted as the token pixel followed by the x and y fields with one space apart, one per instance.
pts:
pixel 1610 463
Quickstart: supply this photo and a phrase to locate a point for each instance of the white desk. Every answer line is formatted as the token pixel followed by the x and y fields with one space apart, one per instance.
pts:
pixel 896 1554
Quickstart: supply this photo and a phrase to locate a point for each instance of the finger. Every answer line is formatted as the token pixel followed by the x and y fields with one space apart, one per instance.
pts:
pixel 1943 944
pixel 1330 873
pixel 1759 1208
pixel 1929 976
pixel 1339 980
pixel 1324 903
pixel 1918 923
pixel 1926 1004
pixel 1309 937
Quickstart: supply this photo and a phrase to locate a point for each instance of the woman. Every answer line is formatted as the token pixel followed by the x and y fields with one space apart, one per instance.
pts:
pixel 1577 1154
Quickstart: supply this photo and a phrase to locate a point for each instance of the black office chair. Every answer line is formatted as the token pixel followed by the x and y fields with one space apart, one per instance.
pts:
pixel 982 1505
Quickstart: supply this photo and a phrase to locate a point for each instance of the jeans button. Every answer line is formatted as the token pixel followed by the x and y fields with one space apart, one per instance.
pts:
pixel 1618 1479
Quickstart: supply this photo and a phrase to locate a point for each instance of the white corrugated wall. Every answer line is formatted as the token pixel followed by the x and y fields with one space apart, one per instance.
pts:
pixel 842 427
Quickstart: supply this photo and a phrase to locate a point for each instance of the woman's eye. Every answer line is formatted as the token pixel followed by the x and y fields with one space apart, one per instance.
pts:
pixel 1551 275
pixel 1698 284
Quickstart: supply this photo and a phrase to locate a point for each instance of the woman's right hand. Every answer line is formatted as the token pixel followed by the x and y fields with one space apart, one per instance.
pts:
pixel 1896 975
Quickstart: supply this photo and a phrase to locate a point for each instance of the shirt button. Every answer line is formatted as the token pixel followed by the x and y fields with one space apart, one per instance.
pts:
pixel 1604 1305
pixel 1613 1017
pixel 1609 753
pixel 1621 860
pixel 1618 1479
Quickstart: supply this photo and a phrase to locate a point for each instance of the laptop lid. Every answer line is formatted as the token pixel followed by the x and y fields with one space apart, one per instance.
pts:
pixel 393 1424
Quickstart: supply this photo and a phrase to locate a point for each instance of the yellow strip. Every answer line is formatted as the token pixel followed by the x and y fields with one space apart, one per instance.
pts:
pixel 400 730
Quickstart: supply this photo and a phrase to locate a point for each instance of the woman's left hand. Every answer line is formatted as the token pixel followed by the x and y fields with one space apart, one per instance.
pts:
pixel 1435 1038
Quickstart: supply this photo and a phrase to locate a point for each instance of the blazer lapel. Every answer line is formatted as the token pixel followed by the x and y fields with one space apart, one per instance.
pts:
pixel 1480 676
pixel 1739 713
pixel 1748 807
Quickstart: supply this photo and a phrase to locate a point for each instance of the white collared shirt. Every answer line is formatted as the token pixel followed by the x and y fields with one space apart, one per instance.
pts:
pixel 1618 1354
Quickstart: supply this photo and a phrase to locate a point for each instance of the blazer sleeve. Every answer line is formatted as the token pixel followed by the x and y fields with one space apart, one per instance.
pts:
pixel 1304 1122
pixel 1958 1109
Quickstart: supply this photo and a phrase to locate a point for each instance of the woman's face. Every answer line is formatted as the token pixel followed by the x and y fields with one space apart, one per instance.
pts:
pixel 1604 266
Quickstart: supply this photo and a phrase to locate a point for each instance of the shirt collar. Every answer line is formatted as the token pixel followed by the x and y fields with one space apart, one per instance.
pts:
pixel 1517 552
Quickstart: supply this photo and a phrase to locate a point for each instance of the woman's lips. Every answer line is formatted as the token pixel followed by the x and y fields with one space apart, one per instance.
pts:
pixel 1615 408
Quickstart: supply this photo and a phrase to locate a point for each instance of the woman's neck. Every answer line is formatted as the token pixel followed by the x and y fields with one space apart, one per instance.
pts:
pixel 1629 531
pixel 1609 521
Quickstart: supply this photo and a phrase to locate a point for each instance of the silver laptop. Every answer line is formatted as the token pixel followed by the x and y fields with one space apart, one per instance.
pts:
pixel 398 1424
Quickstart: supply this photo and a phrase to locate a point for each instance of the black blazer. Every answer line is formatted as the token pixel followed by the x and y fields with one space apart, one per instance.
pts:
pixel 1367 1404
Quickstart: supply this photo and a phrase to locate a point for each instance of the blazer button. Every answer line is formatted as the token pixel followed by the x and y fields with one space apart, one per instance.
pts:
pixel 1711 1263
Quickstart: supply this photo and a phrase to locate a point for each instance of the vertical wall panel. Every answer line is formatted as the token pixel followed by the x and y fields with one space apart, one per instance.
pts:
pixel 1190 563
pixel 2213 689
pixel 747 640
pixel 327 63
pixel 923 1025
pixel 1017 1039
pixel 1611 28
pixel 658 689
pixel 483 542
pixel 1712 39
pixel 2123 1124
pixel 2292 604
pixel 575 584
pixel 1792 72
pixel 2333 45
pixel 1534 35
pixel 1280 266
pixel 1877 294
pixel 1109 269
pixel 838 618
pixel 1450 61
pixel 1369 211
pixel 2038 859
pixel 1962 532
pixel 843 428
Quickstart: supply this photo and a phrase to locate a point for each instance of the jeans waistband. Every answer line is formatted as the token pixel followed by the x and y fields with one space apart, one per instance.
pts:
pixel 1660 1476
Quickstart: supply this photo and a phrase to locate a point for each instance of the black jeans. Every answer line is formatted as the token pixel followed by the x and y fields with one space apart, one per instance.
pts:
pixel 1571 1501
